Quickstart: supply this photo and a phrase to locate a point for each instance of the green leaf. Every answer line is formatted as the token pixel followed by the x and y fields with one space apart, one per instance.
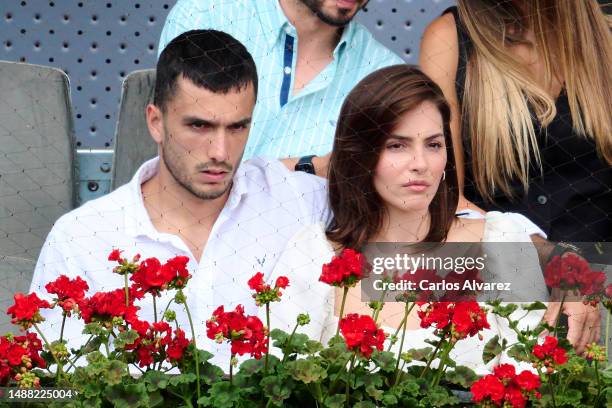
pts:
pixel 221 395
pixel 462 376
pixel 389 399
pixel 125 338
pixel 491 350
pixel 128 395
pixel 505 310
pixel 312 347
pixel 155 399
pixel 278 388
pixel 94 328
pixel 251 366
pixel 335 401
pixel 438 397
pixel 155 380
pixel 519 353
pixel 385 360
pixel 571 397
pixel 374 392
pixel 306 371
pixel 421 354
pixel 115 371
pixel 186 378
pixel 534 306
pixel 366 379
pixel 93 345
pixel 364 404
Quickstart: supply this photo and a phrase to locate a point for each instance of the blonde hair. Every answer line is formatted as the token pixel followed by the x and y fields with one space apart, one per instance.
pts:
pixel 573 38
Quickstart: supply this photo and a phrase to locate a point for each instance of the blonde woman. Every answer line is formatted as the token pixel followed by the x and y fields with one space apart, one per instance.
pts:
pixel 529 85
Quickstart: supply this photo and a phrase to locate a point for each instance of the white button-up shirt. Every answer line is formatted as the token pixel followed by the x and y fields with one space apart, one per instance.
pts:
pixel 267 204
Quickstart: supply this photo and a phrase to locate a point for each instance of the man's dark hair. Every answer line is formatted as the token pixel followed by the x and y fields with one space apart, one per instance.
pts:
pixel 211 59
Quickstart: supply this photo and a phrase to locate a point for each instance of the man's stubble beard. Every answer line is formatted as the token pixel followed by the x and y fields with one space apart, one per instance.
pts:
pixel 172 158
pixel 316 7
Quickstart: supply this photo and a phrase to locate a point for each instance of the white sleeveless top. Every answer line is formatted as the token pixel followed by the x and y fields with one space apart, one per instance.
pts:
pixel 309 249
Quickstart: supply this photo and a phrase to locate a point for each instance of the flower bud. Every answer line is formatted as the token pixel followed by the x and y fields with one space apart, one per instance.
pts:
pixel 303 319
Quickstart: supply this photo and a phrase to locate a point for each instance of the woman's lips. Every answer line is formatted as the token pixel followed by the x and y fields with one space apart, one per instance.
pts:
pixel 416 186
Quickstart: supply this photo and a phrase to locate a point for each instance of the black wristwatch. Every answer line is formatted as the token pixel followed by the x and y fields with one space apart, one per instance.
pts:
pixel 305 164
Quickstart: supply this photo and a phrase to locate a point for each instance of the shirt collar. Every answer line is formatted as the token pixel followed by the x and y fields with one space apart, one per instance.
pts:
pixel 137 221
pixel 275 22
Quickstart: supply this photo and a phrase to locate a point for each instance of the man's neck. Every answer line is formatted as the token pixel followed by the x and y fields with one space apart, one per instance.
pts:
pixel 174 210
pixel 309 27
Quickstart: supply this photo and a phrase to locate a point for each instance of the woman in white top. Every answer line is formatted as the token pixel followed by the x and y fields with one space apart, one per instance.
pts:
pixel 392 179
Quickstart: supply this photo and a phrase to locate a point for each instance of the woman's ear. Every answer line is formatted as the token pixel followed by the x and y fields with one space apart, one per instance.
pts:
pixel 155 123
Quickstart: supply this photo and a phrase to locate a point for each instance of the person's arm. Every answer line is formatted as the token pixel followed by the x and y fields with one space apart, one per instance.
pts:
pixel 438 58
pixel 320 163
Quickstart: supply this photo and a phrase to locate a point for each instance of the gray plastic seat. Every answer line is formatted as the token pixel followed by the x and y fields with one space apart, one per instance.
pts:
pixel 36 169
pixel 133 144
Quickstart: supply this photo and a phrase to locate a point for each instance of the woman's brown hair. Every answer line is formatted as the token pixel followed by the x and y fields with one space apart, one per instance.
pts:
pixel 368 116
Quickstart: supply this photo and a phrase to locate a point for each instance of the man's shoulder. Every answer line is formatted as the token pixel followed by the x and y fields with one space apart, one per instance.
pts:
pixel 364 40
pixel 98 212
pixel 273 177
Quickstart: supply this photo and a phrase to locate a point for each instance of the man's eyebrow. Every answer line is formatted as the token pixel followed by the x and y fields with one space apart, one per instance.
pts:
pixel 241 122
pixel 195 119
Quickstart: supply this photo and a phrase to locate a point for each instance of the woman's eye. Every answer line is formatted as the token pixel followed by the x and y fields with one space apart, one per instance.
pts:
pixel 395 146
pixel 435 145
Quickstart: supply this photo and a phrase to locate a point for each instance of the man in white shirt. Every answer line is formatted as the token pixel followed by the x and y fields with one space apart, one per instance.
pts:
pixel 196 199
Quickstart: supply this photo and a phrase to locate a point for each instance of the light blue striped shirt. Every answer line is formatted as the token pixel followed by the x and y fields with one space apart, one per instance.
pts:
pixel 285 125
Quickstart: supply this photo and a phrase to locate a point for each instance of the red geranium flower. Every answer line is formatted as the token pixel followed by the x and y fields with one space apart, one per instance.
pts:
pixel 151 277
pixel 105 306
pixel 361 334
pixel 345 269
pixel 264 293
pixel 19 354
pixel 505 388
pixel 175 269
pixel 566 272
pixel 246 334
pixel 549 354
pixel 465 318
pixel 115 255
pixel 176 347
pixel 26 309
pixel 282 282
pixel 70 292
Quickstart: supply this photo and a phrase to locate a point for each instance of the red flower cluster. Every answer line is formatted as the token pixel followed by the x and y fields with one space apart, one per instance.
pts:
pixel 549 354
pixel 155 343
pixel 572 272
pixel 344 270
pixel 26 310
pixel 264 293
pixel 18 355
pixel 153 277
pixel 105 306
pixel 70 292
pixel 506 388
pixel 361 334
pixel 464 318
pixel 246 334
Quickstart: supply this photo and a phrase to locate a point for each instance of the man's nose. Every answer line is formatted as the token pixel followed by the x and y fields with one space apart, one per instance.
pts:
pixel 217 146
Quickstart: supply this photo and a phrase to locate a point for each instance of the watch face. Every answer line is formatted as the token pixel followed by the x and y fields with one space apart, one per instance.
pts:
pixel 305 167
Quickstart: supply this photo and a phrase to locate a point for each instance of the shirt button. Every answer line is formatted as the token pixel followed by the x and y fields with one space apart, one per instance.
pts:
pixel 287 70
pixel 542 199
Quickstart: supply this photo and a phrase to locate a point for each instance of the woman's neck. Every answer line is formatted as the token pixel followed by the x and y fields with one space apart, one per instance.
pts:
pixel 404 226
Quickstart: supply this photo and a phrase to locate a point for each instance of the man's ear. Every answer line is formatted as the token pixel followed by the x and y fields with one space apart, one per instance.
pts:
pixel 155 123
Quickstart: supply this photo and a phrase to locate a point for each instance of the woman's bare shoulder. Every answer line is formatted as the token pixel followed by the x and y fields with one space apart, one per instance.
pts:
pixel 467 230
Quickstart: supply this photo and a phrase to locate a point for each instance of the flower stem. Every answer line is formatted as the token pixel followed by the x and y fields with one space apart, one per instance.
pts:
pixel 288 345
pixel 154 309
pixel 346 289
pixel 62 329
pixel 42 336
pixel 163 316
pixel 381 302
pixel 231 379
pixel 78 355
pixel 442 365
pixel 432 358
pixel 268 340
pixel 407 310
pixel 348 379
pixel 195 348
pixel 127 290
pixel 607 343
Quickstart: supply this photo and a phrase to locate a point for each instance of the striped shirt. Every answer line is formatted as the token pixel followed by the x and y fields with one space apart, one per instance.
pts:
pixel 285 125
